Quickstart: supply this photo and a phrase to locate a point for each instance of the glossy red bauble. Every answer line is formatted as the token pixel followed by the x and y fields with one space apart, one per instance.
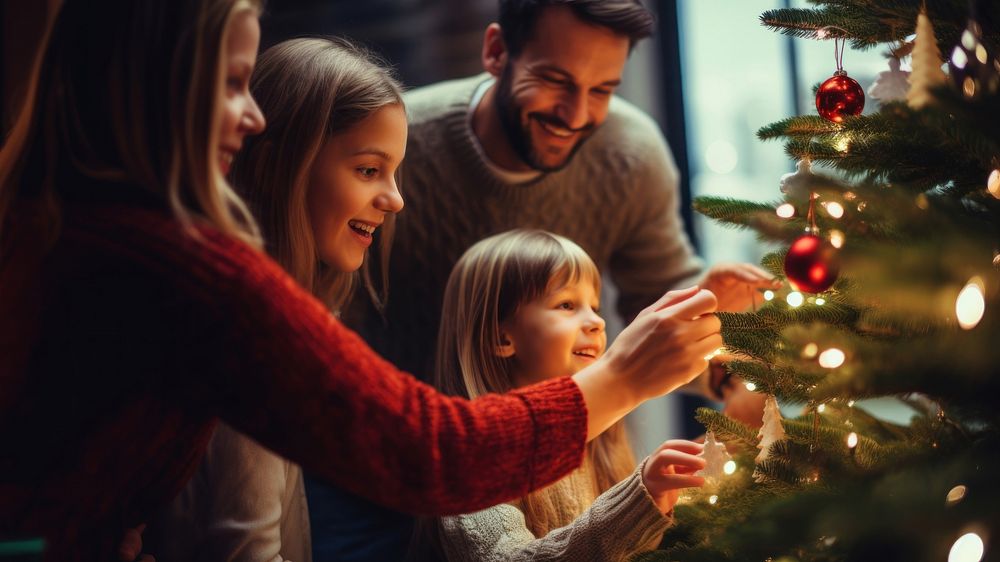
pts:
pixel 812 264
pixel 840 96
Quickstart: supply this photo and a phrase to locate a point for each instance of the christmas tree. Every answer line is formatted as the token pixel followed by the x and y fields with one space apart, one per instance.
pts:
pixel 888 238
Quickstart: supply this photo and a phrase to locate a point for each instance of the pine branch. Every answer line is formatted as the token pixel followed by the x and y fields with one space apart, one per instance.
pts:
pixel 725 428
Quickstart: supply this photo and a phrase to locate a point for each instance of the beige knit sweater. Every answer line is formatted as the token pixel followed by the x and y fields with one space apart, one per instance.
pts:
pixel 618 524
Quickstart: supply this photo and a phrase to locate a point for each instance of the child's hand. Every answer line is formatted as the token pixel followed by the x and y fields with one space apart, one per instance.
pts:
pixel 669 469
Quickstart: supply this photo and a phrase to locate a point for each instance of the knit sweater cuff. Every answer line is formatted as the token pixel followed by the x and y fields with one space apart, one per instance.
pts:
pixel 559 415
pixel 629 507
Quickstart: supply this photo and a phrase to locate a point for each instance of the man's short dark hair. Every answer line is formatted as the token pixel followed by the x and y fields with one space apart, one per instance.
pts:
pixel 625 17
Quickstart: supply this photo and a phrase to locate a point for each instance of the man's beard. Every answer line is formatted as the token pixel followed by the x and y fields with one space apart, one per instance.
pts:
pixel 519 134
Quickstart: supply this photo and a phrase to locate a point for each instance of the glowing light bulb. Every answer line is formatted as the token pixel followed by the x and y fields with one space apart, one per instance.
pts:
pixel 993 183
pixel 850 403
pixel 834 209
pixel 837 237
pixel 713 499
pixel 968 548
pixel 795 299
pixel 729 467
pixel 832 358
pixel 821 408
pixel 843 143
pixel 955 494
pixel 810 350
pixel 970 304
pixel 769 295
pixel 852 440
pixel 785 211
pixel 751 386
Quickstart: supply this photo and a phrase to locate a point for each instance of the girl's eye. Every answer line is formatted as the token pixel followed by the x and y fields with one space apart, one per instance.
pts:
pixel 367 172
pixel 565 306
pixel 234 83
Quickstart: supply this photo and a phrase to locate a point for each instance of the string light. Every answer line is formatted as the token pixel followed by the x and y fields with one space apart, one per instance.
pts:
pixel 955 495
pixel 834 209
pixel 843 143
pixel 852 440
pixel 968 548
pixel 713 499
pixel 821 408
pixel 970 304
pixel 832 358
pixel 729 467
pixel 837 237
pixel 795 299
pixel 850 403
pixel 993 183
pixel 768 295
pixel 786 211
pixel 810 350
pixel 750 386
pixel 820 301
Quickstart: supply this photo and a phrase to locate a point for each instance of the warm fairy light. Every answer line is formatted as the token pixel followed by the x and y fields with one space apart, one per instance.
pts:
pixel 970 304
pixel 968 548
pixel 712 499
pixel 843 143
pixel 795 299
pixel 862 206
pixel 751 386
pixel 820 301
pixel 837 237
pixel 729 467
pixel 850 403
pixel 850 195
pixel 852 440
pixel 993 183
pixel 785 211
pixel 955 495
pixel 768 295
pixel 821 408
pixel 834 209
pixel 810 350
pixel 831 358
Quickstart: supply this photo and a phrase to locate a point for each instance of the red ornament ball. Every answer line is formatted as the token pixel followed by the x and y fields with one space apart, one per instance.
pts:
pixel 839 97
pixel 812 264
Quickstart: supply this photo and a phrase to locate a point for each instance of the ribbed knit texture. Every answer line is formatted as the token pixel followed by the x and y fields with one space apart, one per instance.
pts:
pixel 617 199
pixel 620 523
pixel 131 337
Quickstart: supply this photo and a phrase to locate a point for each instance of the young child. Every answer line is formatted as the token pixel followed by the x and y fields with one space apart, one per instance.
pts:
pixel 521 307
pixel 321 181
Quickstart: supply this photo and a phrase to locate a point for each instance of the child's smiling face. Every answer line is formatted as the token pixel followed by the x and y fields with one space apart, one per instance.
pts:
pixel 353 186
pixel 556 334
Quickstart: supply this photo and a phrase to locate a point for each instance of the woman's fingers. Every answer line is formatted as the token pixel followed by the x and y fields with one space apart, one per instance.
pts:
pixel 675 481
pixel 672 297
pixel 668 458
pixel 681 445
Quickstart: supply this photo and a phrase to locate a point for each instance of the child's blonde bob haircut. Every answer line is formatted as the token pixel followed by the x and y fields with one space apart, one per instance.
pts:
pixel 487 286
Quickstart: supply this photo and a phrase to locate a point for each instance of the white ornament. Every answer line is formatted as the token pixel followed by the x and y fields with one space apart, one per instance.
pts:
pixel 715 456
pixel 772 430
pixel 926 64
pixel 797 185
pixel 890 85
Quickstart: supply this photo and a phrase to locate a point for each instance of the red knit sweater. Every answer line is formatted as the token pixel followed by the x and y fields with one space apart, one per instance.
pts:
pixel 120 349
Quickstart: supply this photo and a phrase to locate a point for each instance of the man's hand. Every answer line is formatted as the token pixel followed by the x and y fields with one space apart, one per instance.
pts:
pixel 735 285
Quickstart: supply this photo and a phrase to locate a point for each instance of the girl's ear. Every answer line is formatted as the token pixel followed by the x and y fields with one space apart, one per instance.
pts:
pixel 505 348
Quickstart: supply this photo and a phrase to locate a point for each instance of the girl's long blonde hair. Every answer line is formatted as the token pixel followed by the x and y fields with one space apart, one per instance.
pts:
pixel 310 90
pixel 128 93
pixel 486 287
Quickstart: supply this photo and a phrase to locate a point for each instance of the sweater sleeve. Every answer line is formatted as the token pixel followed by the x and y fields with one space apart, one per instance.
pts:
pixel 621 522
pixel 278 367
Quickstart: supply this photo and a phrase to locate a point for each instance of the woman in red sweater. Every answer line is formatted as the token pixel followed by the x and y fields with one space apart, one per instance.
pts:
pixel 136 308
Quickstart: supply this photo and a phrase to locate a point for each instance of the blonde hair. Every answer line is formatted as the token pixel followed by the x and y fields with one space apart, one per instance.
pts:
pixel 486 287
pixel 311 90
pixel 127 94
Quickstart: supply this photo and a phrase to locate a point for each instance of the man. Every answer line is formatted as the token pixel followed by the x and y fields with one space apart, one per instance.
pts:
pixel 539 141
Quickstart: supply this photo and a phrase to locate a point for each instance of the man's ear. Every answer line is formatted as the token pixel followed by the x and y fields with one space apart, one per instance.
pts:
pixel 505 348
pixel 494 50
